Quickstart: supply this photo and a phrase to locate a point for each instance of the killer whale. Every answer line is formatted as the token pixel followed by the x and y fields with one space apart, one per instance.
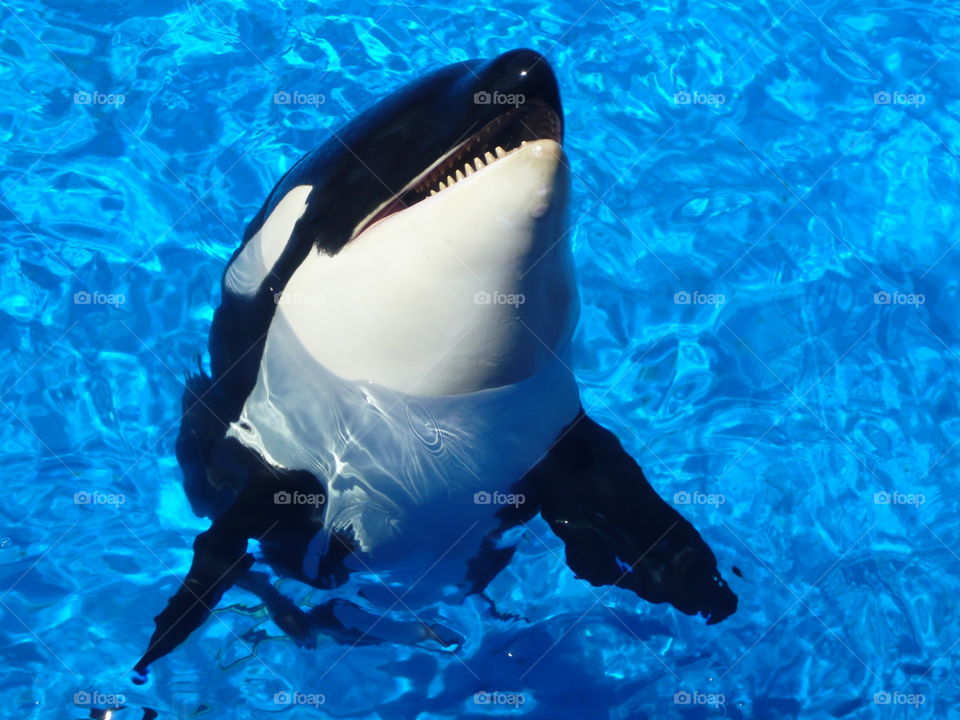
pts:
pixel 390 358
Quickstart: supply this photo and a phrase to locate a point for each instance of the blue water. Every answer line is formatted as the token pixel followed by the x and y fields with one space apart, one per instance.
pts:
pixel 780 181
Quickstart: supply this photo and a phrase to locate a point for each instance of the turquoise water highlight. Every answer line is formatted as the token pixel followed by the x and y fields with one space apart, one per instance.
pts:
pixel 826 174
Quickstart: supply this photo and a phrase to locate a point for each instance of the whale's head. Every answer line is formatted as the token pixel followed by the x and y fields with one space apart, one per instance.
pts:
pixel 424 246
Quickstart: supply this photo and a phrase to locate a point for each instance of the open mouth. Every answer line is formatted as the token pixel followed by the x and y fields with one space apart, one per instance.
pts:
pixel 500 137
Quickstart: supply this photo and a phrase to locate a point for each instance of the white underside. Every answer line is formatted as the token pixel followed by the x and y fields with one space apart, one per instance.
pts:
pixel 404 468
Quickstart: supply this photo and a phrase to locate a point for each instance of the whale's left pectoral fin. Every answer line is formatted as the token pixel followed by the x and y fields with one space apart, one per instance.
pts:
pixel 618 531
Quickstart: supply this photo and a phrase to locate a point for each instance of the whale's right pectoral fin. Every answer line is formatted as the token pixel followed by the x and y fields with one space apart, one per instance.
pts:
pixel 618 531
pixel 220 558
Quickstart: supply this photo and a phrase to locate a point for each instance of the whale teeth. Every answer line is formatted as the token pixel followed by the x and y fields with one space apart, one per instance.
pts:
pixel 469 168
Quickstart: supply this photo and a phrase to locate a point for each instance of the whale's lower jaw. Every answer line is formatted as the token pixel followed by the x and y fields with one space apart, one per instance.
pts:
pixel 469 289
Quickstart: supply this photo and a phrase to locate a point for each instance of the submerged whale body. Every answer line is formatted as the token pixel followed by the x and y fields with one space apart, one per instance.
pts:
pixel 390 390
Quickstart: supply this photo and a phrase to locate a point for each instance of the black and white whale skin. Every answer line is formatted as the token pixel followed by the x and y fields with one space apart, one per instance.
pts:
pixel 390 360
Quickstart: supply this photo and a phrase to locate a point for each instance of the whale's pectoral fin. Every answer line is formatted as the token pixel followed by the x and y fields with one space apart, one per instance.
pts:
pixel 267 509
pixel 618 531
pixel 220 558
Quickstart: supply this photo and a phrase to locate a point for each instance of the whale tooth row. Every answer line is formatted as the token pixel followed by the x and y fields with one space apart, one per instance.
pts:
pixel 468 169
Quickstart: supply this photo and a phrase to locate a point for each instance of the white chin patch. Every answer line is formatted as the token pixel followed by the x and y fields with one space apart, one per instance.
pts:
pixel 249 269
pixel 469 289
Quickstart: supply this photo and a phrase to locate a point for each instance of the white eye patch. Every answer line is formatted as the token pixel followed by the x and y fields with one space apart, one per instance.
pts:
pixel 248 270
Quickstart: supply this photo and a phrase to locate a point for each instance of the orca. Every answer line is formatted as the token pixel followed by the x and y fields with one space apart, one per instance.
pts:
pixel 390 398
